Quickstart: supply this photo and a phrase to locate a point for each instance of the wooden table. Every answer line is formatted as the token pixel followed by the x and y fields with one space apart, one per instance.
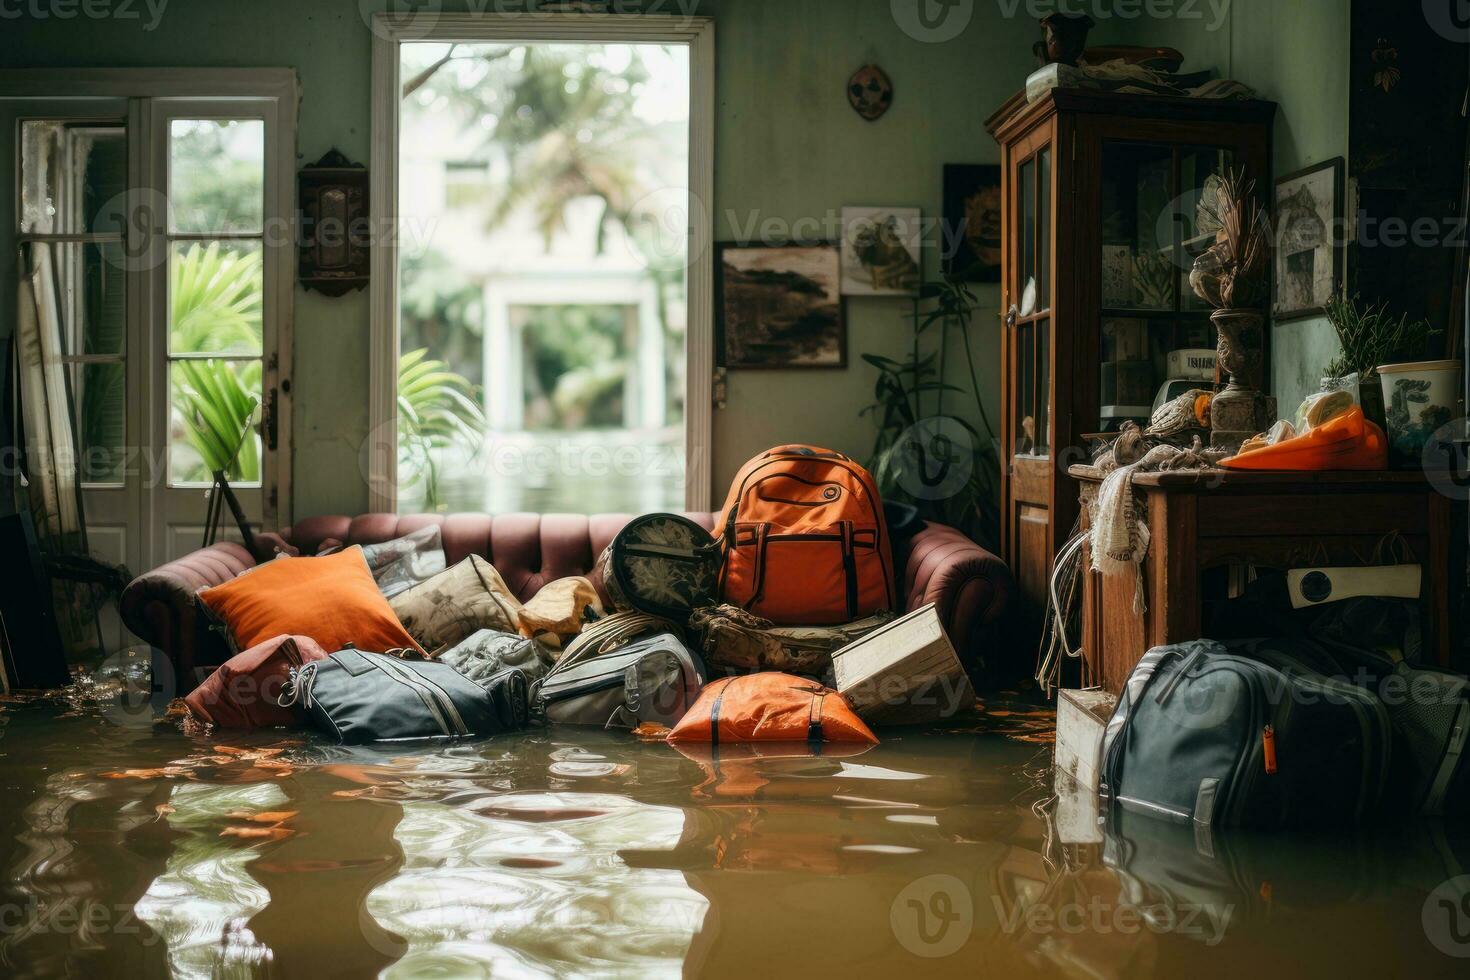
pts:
pixel 1204 520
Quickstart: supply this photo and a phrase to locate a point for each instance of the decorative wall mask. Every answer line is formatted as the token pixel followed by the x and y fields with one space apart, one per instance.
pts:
pixel 870 92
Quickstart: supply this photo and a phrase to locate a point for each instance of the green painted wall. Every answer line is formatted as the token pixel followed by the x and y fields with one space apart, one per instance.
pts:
pixel 1297 55
pixel 788 148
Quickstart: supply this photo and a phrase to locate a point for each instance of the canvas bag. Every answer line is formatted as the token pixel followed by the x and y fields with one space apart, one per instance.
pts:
pixel 664 565
pixel 805 541
pixel 1245 736
pixel 734 639
pixel 371 697
pixel 652 680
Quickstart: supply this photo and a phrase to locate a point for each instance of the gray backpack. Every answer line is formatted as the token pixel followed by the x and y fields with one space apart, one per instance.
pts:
pixel 653 680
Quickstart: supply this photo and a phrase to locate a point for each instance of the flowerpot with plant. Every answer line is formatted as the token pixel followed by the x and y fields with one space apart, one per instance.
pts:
pixel 1369 337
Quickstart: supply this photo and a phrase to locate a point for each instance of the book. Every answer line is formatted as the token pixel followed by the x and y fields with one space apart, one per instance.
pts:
pixel 905 673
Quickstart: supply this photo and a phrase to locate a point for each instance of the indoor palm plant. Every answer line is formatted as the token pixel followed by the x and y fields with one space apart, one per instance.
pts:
pixel 924 454
pixel 437 409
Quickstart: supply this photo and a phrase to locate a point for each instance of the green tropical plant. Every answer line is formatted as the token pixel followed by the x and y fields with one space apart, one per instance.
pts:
pixel 918 439
pixel 1369 336
pixel 215 307
pixel 437 409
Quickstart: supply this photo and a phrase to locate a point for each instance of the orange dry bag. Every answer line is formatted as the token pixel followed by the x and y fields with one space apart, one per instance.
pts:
pixel 804 540
pixel 1347 442
pixel 770 707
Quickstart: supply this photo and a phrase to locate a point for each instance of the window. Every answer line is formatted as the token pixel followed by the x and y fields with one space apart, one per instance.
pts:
pixel 542 318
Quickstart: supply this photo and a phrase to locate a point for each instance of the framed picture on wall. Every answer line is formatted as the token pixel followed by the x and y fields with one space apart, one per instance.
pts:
pixel 972 235
pixel 881 251
pixel 1310 249
pixel 780 306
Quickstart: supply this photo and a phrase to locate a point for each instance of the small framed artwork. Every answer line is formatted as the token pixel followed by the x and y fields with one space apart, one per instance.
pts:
pixel 881 251
pixel 972 215
pixel 1309 247
pixel 780 306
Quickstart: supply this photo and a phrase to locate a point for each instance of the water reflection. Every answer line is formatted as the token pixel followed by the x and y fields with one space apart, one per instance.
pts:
pixel 566 853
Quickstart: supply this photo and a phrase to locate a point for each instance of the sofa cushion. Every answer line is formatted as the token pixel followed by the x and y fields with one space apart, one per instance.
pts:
pixel 457 604
pixel 334 600
pixel 243 692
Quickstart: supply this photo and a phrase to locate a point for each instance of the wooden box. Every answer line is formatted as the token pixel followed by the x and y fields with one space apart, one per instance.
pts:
pixel 905 673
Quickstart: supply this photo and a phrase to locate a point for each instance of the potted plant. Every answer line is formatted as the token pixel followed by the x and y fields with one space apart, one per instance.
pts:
pixel 1369 337
pixel 1231 276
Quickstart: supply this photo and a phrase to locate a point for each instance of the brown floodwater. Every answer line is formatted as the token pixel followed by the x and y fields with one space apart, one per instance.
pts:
pixel 134 848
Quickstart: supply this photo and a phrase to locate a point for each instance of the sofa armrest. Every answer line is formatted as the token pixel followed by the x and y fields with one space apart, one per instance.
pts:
pixel 160 608
pixel 971 588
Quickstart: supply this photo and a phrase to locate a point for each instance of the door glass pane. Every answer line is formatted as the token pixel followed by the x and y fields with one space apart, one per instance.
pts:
pixel 1043 230
pixel 1026 389
pixel 1043 387
pixel 215 406
pixel 216 175
pixel 100 395
pixel 215 296
pixel 92 294
pixel 72 175
pixel 1027 190
pixel 1201 172
pixel 1138 229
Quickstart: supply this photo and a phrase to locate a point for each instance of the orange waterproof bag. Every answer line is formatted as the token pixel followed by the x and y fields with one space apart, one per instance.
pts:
pixel 1346 442
pixel 770 707
pixel 804 540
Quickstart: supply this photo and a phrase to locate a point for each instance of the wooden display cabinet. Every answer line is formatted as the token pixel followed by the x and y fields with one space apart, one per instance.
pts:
pixel 1101 224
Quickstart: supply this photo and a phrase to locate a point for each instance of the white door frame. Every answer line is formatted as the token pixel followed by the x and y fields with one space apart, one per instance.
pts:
pixel 277 92
pixel 392 30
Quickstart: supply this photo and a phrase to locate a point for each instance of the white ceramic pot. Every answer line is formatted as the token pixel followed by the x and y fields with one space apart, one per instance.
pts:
pixel 1418 399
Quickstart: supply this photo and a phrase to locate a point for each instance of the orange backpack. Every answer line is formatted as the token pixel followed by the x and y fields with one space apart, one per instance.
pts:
pixel 804 540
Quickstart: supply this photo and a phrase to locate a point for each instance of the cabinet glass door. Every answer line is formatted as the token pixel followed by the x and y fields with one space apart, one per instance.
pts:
pixel 1032 408
pixel 1158 213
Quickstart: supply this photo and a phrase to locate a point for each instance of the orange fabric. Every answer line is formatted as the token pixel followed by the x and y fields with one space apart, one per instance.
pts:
pixel 1347 442
pixel 333 600
pixel 804 539
pixel 770 707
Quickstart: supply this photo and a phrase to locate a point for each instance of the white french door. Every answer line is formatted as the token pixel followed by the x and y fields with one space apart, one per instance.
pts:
pixel 150 222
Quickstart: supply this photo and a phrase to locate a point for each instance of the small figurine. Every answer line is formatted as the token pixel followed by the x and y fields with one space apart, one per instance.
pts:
pixel 1065 38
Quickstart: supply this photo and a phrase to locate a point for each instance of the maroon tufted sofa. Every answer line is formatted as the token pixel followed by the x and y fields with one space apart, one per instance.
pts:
pixel 971 586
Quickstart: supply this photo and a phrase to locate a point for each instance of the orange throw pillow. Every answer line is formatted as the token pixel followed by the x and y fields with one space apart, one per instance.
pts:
pixel 333 600
pixel 770 707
